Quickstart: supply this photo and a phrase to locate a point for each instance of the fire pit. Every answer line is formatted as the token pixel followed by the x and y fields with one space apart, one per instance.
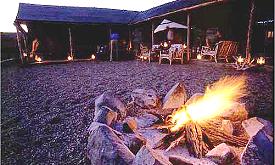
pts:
pixel 208 128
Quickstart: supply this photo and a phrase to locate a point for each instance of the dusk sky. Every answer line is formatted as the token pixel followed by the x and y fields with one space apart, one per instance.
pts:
pixel 8 9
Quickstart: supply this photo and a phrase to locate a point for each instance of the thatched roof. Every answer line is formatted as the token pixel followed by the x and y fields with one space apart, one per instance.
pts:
pixel 31 12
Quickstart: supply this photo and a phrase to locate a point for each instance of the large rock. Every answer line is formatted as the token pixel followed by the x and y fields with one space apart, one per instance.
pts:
pixel 253 125
pixel 227 127
pixel 175 160
pixel 176 97
pixel 196 97
pixel 106 116
pixel 146 98
pixel 148 156
pixel 109 100
pixel 146 120
pixel 221 154
pixel 133 142
pixel 236 113
pixel 105 147
pixel 259 150
pixel 130 125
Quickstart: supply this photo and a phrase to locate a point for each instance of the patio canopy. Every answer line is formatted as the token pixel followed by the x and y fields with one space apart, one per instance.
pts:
pixel 167 23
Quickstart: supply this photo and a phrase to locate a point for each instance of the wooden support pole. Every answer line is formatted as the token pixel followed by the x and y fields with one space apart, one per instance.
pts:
pixel 19 29
pixel 129 38
pixel 250 31
pixel 153 28
pixel 71 42
pixel 111 44
pixel 188 37
pixel 19 45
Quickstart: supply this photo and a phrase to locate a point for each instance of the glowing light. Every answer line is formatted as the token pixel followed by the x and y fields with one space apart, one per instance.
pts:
pixel 38 59
pixel 70 58
pixel 25 54
pixel 218 98
pixel 93 57
pixel 240 59
pixel 145 58
pixel 261 60
pixel 165 44
pixel 199 57
pixel 184 46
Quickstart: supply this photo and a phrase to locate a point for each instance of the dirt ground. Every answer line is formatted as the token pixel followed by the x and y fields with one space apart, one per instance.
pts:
pixel 46 109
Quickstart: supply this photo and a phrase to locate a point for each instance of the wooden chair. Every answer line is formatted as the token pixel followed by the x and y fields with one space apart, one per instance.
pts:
pixel 145 53
pixel 222 50
pixel 167 55
pixel 178 55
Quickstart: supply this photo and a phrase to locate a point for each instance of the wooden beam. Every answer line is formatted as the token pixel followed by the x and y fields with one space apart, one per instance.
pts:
pixel 130 38
pixel 152 33
pixel 19 28
pixel 71 42
pixel 19 46
pixel 250 31
pixel 111 44
pixel 188 37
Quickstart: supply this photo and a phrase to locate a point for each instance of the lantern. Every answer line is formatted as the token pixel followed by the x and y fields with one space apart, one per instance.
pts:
pixel 38 59
pixel 261 60
pixel 184 46
pixel 93 57
pixel 70 58
pixel 165 44
pixel 199 57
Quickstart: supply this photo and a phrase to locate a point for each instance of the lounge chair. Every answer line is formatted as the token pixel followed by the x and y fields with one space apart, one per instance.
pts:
pixel 222 50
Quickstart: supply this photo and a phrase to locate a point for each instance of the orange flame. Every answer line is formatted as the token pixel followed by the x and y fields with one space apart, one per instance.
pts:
pixel 218 98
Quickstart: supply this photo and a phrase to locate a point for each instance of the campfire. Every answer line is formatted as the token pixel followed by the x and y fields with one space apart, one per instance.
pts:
pixel 193 124
pixel 173 130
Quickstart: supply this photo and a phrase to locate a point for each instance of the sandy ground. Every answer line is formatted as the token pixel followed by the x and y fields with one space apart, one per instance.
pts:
pixel 46 109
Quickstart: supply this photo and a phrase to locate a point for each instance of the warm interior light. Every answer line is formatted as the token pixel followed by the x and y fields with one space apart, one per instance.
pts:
pixel 270 34
pixel 261 60
pixel 199 56
pixel 93 57
pixel 218 98
pixel 145 58
pixel 38 59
